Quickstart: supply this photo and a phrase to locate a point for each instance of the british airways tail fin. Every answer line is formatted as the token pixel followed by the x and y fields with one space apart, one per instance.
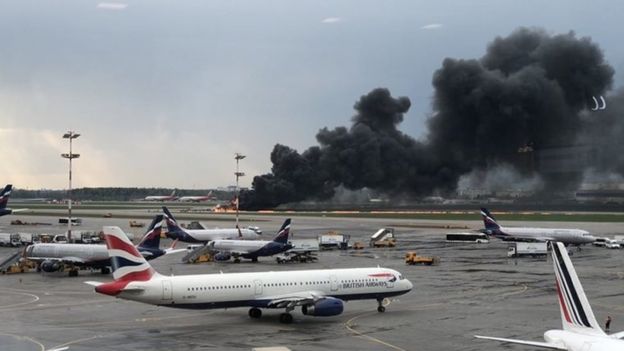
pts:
pixel 151 239
pixel 282 234
pixel 488 220
pixel 576 313
pixel 4 196
pixel 128 264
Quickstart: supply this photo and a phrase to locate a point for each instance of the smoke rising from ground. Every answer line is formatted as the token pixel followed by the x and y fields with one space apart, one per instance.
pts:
pixel 529 92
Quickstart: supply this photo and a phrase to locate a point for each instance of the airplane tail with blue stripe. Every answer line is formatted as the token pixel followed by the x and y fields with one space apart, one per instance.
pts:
pixel 4 196
pixel 151 239
pixel 576 313
pixel 174 231
pixel 283 233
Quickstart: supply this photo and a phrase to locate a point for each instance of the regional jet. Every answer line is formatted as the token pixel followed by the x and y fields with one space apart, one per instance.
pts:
pixel 319 292
pixel 566 236
pixel 581 331
pixel 252 249
pixel 161 197
pixel 174 231
pixel 4 200
pixel 52 257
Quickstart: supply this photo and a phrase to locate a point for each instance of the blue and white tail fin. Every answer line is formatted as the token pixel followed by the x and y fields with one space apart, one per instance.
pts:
pixel 576 313
pixel 283 233
pixel 4 196
pixel 151 239
pixel 174 231
pixel 488 220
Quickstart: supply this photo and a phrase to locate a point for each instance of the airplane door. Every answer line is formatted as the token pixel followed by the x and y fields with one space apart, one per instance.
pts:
pixel 167 290
pixel 334 283
pixel 258 287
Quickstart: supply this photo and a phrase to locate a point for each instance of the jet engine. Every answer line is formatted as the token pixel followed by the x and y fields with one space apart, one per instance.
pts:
pixel 51 266
pixel 324 308
pixel 222 256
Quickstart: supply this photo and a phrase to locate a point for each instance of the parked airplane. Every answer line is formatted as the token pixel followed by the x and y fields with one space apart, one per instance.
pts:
pixel 581 331
pixel 174 231
pixel 207 197
pixel 252 249
pixel 566 236
pixel 319 292
pixel 53 257
pixel 4 200
pixel 162 197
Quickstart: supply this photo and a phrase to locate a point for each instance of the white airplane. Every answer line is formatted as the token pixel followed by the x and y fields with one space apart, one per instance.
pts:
pixel 53 257
pixel 580 331
pixel 207 197
pixel 4 200
pixel 566 236
pixel 174 231
pixel 252 249
pixel 319 292
pixel 161 197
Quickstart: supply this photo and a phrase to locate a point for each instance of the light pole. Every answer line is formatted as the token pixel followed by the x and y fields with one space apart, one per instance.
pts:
pixel 238 174
pixel 70 156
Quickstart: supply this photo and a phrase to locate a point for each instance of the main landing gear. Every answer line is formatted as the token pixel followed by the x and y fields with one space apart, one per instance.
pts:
pixel 286 318
pixel 255 313
pixel 380 306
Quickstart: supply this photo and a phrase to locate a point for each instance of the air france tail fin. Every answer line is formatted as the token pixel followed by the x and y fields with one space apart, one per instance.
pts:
pixel 576 313
pixel 282 234
pixel 4 196
pixel 488 220
pixel 151 239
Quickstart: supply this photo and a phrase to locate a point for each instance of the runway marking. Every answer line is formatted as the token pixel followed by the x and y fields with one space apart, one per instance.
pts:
pixel 75 341
pixel 348 325
pixel 35 299
pixel 20 337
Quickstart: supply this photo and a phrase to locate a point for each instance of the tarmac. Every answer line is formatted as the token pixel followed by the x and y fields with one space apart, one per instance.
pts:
pixel 475 289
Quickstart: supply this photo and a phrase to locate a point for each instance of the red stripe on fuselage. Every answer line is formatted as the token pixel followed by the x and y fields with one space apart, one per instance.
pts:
pixel 566 314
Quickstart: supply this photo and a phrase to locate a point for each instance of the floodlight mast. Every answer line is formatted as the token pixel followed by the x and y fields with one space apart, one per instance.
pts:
pixel 238 174
pixel 71 135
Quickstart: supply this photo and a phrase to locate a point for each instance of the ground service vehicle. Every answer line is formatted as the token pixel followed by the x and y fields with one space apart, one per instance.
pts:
pixel 412 258
pixel 534 249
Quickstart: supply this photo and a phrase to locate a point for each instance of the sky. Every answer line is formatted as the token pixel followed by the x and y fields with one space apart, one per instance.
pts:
pixel 165 92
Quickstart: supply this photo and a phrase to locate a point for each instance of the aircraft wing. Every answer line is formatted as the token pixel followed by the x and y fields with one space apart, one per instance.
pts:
pixel 619 335
pixel 14 210
pixel 92 283
pixel 172 251
pixel 524 342
pixel 294 299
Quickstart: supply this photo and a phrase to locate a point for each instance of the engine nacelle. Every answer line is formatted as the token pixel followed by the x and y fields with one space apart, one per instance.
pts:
pixel 50 266
pixel 324 308
pixel 222 256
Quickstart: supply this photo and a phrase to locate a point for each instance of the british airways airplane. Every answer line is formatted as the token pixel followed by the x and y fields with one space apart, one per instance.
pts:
pixel 320 292
pixel 566 236
pixel 581 331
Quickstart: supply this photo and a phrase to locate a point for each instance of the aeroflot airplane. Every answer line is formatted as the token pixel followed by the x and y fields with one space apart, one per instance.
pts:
pixel 4 200
pixel 319 292
pixel 580 331
pixel 566 236
pixel 174 231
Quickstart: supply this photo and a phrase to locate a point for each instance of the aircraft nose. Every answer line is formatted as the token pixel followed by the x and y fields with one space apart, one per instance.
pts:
pixel 409 285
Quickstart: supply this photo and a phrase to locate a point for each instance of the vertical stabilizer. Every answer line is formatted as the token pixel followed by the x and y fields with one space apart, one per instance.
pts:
pixel 128 264
pixel 4 196
pixel 282 234
pixel 576 313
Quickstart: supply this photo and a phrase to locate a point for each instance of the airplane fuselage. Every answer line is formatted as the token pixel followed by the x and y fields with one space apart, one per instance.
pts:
pixel 260 288
pixel 87 255
pixel 566 236
pixel 250 248
pixel 582 342
pixel 206 235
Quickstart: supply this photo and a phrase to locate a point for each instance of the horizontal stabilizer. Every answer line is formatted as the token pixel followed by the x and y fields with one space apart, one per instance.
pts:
pixel 92 283
pixel 524 342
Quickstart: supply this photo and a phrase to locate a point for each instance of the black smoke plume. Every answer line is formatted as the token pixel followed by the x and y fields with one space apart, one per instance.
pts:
pixel 525 95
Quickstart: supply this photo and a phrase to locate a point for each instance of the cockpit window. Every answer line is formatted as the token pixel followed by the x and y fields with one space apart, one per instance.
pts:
pixel 401 277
